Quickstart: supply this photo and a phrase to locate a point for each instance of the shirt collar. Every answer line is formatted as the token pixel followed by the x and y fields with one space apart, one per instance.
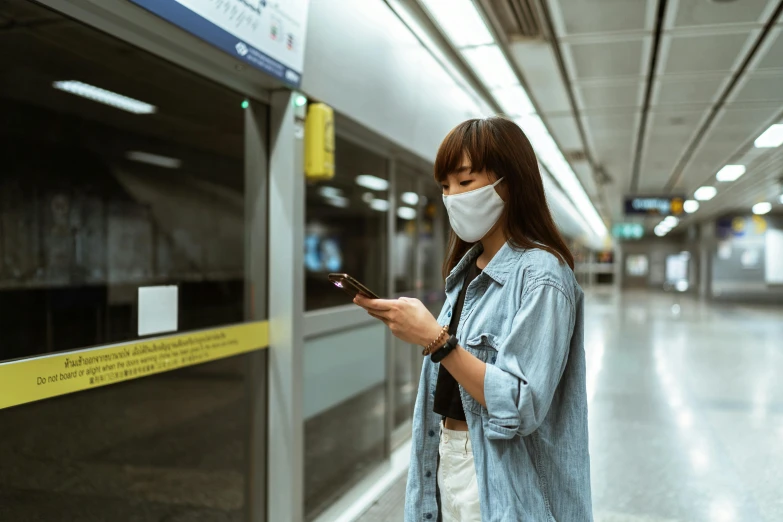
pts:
pixel 498 268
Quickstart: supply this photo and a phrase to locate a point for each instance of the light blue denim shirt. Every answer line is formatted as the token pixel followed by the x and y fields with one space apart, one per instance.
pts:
pixel 523 316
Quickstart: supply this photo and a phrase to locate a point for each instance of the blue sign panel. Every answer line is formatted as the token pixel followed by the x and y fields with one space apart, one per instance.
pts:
pixel 267 37
pixel 654 206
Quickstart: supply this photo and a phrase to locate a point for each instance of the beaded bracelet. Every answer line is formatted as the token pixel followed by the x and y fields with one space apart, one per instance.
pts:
pixel 444 332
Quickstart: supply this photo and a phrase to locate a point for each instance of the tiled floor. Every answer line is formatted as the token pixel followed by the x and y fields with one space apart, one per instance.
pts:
pixel 686 411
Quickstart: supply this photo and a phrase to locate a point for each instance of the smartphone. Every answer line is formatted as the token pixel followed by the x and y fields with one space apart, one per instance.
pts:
pixel 351 286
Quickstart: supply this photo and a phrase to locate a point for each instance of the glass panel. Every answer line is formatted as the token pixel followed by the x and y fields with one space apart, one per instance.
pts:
pixel 346 226
pixel 100 196
pixel 345 411
pixel 404 252
pixel 345 398
pixel 96 201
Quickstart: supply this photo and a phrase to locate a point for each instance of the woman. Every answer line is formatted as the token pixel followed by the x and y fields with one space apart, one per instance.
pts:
pixel 503 385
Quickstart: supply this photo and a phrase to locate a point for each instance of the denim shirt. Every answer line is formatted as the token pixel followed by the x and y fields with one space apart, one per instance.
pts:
pixel 523 317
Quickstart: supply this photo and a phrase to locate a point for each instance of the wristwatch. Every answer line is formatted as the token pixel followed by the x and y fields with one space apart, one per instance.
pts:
pixel 441 353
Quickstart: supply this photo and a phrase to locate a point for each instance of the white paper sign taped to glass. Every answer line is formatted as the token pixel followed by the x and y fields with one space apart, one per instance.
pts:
pixel 267 34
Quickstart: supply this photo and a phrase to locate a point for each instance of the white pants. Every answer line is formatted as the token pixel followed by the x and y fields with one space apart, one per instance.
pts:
pixel 459 496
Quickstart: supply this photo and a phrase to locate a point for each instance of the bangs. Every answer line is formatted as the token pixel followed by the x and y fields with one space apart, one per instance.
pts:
pixel 475 138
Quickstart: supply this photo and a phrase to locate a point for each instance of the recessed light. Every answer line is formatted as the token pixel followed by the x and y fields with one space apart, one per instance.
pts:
pixel 762 208
pixel 330 192
pixel 690 206
pixel 410 198
pixel 730 173
pixel 99 95
pixel 338 201
pixel 406 213
pixel 381 205
pixel 154 159
pixel 705 193
pixel 372 182
pixel 770 138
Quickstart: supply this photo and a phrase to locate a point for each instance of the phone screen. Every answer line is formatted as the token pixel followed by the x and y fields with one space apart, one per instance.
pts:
pixel 351 286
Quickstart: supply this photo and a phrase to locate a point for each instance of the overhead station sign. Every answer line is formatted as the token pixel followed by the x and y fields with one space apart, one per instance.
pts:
pixel 269 35
pixel 654 205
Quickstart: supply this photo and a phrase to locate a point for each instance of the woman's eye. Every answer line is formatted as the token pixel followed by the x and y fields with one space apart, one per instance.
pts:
pixel 444 187
pixel 465 183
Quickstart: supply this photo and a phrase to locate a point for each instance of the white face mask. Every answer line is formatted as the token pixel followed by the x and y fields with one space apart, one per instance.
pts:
pixel 473 214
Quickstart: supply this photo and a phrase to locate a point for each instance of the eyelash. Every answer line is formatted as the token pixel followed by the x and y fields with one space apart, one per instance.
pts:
pixel 462 184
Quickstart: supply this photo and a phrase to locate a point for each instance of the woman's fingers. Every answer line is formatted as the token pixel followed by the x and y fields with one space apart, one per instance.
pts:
pixel 379 305
pixel 379 317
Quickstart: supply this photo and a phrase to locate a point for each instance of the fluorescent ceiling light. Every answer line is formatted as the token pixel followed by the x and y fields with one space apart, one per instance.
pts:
pixel 338 201
pixel 762 208
pixel 781 199
pixel 771 138
pixel 730 173
pixel 406 213
pixel 660 232
pixel 705 193
pixel 99 95
pixel 372 182
pixel 513 100
pixel 330 192
pixel 550 156
pixel 491 66
pixel 381 205
pixel 690 206
pixel 410 198
pixel 154 159
pixel 671 221
pixel 461 21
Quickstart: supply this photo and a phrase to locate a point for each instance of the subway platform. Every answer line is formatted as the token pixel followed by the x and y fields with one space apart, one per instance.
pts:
pixel 686 411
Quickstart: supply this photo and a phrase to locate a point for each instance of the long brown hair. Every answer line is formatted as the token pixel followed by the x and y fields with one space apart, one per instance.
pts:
pixel 499 146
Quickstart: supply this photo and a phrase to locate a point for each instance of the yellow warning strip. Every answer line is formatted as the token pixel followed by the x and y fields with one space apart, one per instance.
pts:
pixel 29 380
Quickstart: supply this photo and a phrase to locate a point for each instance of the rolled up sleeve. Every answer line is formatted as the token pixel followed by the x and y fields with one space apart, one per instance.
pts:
pixel 518 389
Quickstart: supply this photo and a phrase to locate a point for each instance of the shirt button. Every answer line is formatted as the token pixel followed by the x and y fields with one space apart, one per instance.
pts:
pixel 428 474
pixel 428 516
pixel 448 314
pixel 432 433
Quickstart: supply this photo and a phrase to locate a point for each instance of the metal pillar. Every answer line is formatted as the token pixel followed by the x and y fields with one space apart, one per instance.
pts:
pixel 285 491
pixel 256 195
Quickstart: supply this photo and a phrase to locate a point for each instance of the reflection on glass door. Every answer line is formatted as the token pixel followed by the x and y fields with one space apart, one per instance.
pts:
pixel 119 171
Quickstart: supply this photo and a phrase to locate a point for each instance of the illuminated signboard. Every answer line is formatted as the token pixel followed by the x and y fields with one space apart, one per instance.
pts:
pixel 654 205
pixel 267 35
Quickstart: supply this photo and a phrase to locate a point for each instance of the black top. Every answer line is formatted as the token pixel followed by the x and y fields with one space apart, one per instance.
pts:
pixel 447 399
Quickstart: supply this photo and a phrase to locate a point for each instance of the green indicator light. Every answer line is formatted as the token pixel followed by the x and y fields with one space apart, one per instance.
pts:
pixel 245 104
pixel 300 101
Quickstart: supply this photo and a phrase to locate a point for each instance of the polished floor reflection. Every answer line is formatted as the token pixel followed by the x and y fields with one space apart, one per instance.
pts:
pixel 686 410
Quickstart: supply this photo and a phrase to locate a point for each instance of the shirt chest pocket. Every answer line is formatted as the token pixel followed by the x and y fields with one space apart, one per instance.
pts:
pixel 484 348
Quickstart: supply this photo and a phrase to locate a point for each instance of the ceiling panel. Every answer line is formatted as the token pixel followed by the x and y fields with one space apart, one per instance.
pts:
pixel 615 95
pixel 585 175
pixel 709 12
pixel 601 16
pixel 773 57
pixel 668 134
pixel 608 59
pixel 607 125
pixel 565 132
pixel 704 53
pixel 761 87
pixel 688 91
pixel 542 75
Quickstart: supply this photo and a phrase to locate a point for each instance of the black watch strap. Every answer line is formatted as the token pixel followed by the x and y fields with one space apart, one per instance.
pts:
pixel 440 354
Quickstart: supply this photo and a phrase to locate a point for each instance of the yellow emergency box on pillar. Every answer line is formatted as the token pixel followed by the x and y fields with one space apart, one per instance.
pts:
pixel 319 142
